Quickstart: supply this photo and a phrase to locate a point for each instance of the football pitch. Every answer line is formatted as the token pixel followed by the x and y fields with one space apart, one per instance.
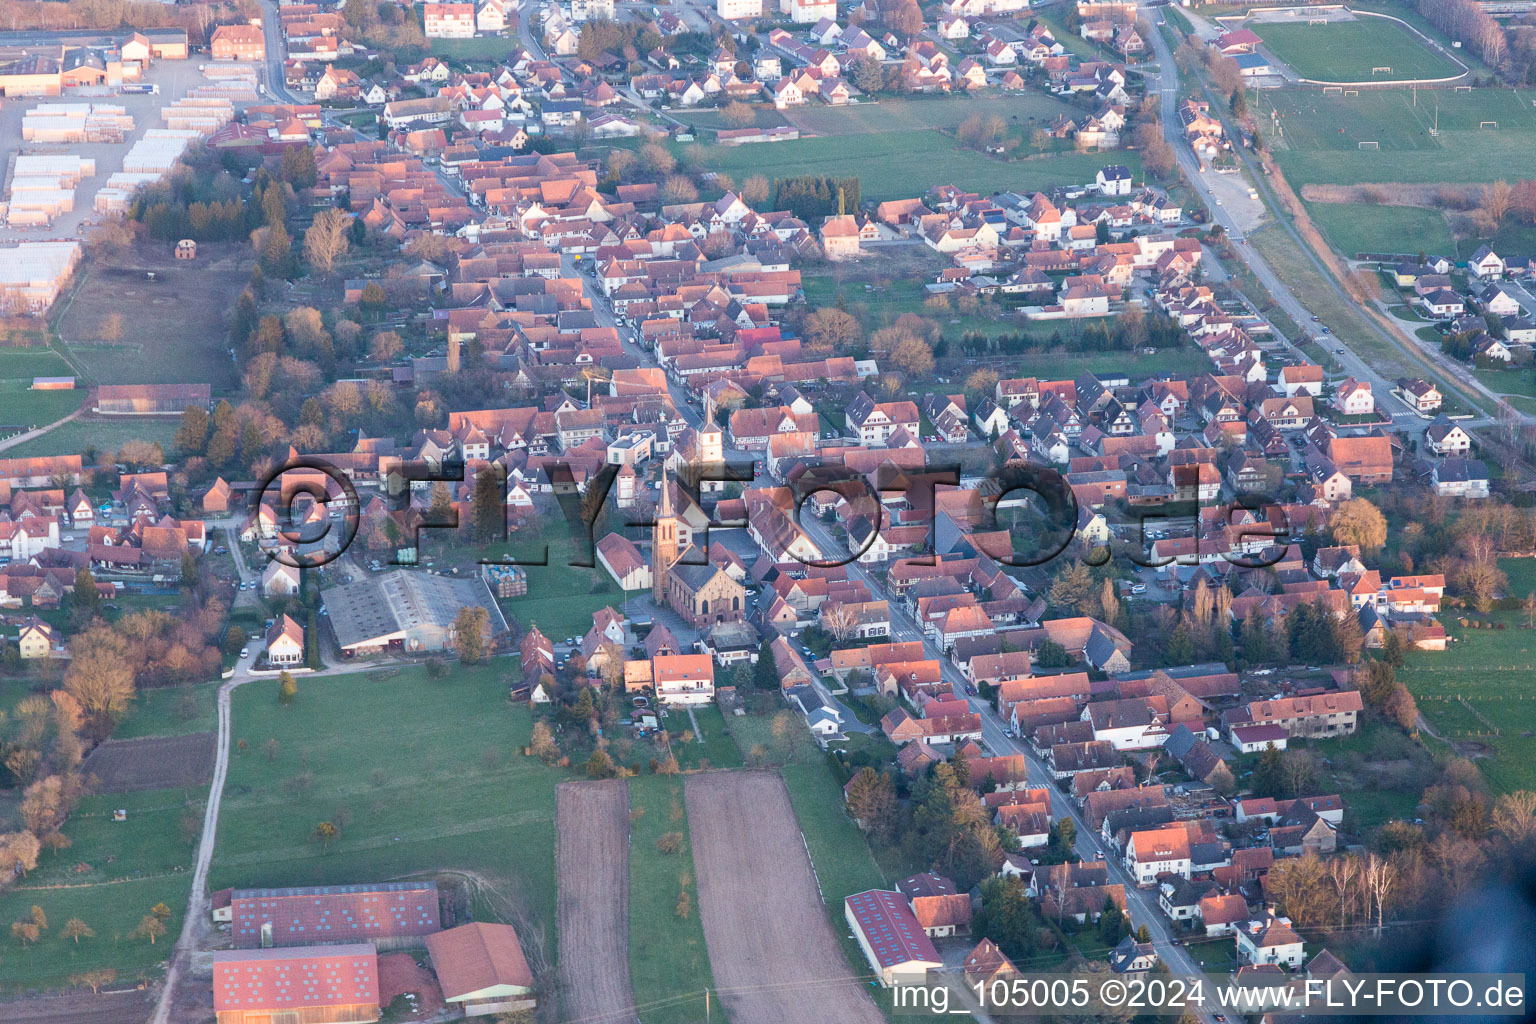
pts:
pixel 1354 51
pixel 1410 135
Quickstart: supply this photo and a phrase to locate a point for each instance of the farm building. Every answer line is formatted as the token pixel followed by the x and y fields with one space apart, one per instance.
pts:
pixel 53 383
pixel 308 984
pixel 329 913
pixel 150 399
pixel 891 937
pixel 405 611
pixel 481 969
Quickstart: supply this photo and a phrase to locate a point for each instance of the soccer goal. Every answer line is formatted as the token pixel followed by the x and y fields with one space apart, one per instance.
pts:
pixel 1461 88
pixel 1333 90
pixel 1351 92
pixel 1492 125
pixel 1370 145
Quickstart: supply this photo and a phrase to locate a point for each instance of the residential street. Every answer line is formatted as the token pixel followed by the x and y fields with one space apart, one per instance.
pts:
pixel 1141 903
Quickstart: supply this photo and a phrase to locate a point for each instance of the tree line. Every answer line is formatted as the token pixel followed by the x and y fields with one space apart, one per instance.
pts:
pixel 814 196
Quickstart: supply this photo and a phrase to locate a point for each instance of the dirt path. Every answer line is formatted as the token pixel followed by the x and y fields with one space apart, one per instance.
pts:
pixel 592 863
pixel 771 945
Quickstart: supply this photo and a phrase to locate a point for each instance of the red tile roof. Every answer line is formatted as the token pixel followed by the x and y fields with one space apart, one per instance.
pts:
pixel 333 913
pixel 478 956
pixel 294 979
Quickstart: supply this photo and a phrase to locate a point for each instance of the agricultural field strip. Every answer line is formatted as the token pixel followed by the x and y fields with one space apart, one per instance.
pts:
pixel 592 858
pixel 771 945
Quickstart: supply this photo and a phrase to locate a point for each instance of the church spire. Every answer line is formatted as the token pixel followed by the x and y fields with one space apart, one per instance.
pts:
pixel 663 543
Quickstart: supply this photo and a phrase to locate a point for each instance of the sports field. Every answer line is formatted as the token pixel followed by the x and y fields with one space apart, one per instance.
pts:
pixel 1352 51
pixel 1441 135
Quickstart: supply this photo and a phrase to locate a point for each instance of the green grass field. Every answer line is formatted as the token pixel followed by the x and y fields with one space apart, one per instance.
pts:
pixel 104 435
pixel 170 711
pixel 1347 51
pixel 1494 672
pixel 1322 135
pixel 428 775
pixel 23 407
pixel 24 364
pixel 1342 317
pixel 898 164
pixel 20 406
pixel 904 113
pixel 478 49
pixel 109 877
pixel 1362 227
pixel 717 750
pixel 561 597
pixel 667 955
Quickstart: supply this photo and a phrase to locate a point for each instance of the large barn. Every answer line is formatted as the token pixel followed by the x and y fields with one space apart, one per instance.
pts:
pixel 405 610
pixel 302 985
pixel 150 399
pixel 307 915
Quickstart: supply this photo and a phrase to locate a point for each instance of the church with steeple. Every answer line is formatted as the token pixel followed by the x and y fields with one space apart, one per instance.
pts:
pixel 699 591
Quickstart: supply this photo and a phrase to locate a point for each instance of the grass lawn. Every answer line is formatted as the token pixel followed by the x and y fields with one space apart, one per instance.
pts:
pixel 20 406
pixel 754 730
pixel 763 116
pixel 1342 317
pixel 840 855
pixel 561 597
pixel 879 291
pixel 478 49
pixel 111 910
pixel 899 164
pixel 171 711
pixel 1514 381
pixel 718 749
pixel 1348 51
pixel 109 878
pixel 107 435
pixel 1484 682
pixel 427 775
pixel 24 364
pixel 667 955
pixel 1362 227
